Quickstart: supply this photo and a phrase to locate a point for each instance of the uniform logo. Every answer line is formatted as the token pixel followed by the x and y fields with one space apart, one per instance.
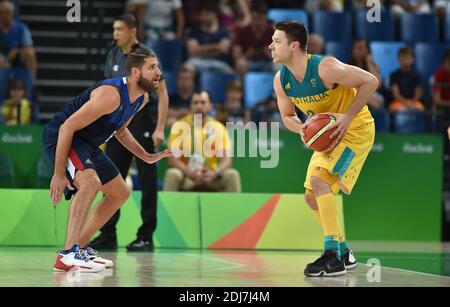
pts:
pixel 115 68
pixel 287 86
pixel 313 82
pixel 88 161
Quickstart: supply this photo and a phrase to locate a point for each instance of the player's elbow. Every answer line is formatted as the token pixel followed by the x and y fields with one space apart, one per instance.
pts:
pixel 373 81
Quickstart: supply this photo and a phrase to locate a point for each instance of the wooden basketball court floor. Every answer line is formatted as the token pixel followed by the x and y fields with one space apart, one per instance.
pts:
pixel 402 264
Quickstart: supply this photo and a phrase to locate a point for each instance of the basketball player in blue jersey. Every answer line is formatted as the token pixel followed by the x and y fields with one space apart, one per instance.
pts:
pixel 317 84
pixel 72 139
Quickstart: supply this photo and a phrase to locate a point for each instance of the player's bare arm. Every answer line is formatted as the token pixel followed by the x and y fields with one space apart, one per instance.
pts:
pixel 332 71
pixel 125 137
pixel 286 107
pixel 163 110
pixel 104 100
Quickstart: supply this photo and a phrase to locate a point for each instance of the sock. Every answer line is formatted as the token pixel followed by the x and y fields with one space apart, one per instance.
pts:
pixel 332 244
pixel 317 215
pixel 343 246
pixel 328 217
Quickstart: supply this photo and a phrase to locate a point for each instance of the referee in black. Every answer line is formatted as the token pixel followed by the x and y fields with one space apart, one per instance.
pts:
pixel 148 129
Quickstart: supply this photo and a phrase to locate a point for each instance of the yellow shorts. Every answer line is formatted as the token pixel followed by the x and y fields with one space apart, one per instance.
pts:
pixel 345 162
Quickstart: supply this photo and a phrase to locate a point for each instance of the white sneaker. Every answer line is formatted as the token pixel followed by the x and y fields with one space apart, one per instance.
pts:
pixel 76 259
pixel 93 256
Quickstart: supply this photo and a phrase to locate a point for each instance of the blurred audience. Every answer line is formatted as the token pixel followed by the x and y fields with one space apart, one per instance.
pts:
pixel 209 45
pixel 267 111
pixel 315 44
pixel 405 84
pixel 250 50
pixel 441 90
pixel 197 169
pixel 16 45
pixel 312 6
pixel 234 14
pixel 158 19
pixel 181 100
pixel 398 7
pixel 362 58
pixel 16 110
pixel 232 109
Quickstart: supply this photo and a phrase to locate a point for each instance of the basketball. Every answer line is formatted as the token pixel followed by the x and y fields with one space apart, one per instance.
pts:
pixel 317 133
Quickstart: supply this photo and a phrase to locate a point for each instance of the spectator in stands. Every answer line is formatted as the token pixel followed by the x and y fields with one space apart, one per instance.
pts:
pixel 405 84
pixel 267 111
pixel 181 100
pixel 315 44
pixel 324 5
pixel 232 109
pixel 441 7
pixel 398 7
pixel 366 4
pixel 362 58
pixel 250 50
pixel 158 19
pixel 234 14
pixel 197 169
pixel 441 90
pixel 16 110
pixel 209 45
pixel 16 45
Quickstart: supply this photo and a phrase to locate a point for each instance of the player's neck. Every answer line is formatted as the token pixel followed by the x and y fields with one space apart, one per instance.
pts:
pixel 298 65
pixel 134 91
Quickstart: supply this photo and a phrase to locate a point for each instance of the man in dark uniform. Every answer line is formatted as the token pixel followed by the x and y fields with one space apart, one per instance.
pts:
pixel 71 141
pixel 148 128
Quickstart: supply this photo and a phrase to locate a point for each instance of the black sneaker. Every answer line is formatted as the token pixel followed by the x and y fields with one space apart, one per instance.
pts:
pixel 327 266
pixel 103 242
pixel 140 245
pixel 349 261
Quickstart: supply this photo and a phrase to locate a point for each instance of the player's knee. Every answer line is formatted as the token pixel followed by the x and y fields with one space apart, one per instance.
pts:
pixel 89 183
pixel 311 200
pixel 319 186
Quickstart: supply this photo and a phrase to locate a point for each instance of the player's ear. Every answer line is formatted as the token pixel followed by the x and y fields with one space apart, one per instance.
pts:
pixel 135 72
pixel 295 44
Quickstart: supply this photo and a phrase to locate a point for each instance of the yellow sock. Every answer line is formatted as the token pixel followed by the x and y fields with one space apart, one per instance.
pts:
pixel 317 215
pixel 328 216
pixel 340 233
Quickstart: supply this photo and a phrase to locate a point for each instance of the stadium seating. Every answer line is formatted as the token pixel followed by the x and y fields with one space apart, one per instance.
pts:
pixel 382 120
pixel 340 50
pixel 384 54
pixel 215 83
pixel 276 15
pixel 409 121
pixel 333 26
pixel 171 81
pixel 170 53
pixel 375 31
pixel 258 86
pixel 428 58
pixel 416 28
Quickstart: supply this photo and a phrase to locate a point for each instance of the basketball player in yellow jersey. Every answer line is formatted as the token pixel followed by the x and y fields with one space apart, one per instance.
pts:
pixel 317 84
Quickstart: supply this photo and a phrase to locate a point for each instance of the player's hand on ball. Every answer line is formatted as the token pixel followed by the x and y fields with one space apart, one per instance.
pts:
pixel 302 132
pixel 153 158
pixel 342 123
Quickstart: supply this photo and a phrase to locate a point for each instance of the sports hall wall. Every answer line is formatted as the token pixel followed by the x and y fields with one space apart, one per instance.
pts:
pixel 392 200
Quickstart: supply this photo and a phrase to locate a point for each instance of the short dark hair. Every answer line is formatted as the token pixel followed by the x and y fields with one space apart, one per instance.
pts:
pixel 405 50
pixel 137 58
pixel 16 84
pixel 129 20
pixel 199 92
pixel 295 32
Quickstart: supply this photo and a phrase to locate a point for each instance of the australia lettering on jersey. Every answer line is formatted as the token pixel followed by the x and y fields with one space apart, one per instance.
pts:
pixel 309 99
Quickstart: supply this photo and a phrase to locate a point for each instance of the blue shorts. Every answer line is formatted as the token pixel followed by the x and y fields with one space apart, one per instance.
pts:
pixel 81 156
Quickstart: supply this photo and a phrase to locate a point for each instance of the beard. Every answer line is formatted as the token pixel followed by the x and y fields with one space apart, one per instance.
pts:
pixel 147 86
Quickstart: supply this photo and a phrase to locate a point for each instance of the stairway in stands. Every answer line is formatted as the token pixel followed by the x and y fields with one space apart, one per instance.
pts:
pixel 70 56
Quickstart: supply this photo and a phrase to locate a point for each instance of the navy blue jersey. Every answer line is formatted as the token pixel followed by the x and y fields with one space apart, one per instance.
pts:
pixel 102 129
